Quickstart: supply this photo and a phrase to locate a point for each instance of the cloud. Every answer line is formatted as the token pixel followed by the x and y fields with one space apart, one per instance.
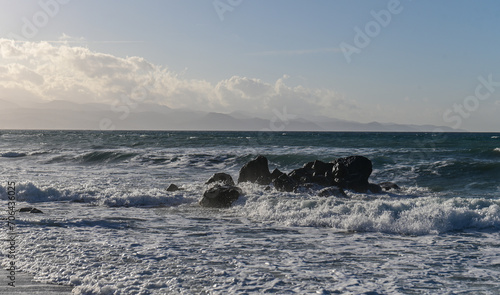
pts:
pixel 43 71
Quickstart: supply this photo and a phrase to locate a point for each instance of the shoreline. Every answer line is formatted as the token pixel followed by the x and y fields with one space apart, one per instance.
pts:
pixel 25 284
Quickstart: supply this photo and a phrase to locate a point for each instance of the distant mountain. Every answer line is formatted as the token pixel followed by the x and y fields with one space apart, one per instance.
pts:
pixel 218 121
pixel 146 116
pixel 341 125
pixel 4 104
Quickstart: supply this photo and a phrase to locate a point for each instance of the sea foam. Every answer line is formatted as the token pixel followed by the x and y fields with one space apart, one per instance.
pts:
pixel 414 210
pixel 111 196
pixel 389 213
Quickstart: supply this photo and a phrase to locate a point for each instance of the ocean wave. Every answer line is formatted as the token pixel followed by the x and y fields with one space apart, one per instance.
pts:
pixel 456 174
pixel 170 158
pixel 105 157
pixel 415 212
pixel 412 211
pixel 94 157
pixel 149 197
pixel 111 197
pixel 476 168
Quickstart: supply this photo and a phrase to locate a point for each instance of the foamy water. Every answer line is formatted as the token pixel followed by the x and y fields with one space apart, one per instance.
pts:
pixel 110 227
pixel 190 250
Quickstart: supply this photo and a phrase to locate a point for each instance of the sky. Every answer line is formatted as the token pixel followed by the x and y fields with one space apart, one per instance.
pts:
pixel 406 62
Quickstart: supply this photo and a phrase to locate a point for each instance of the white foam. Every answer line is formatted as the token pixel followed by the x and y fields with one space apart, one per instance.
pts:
pixel 412 240
pixel 416 211
pixel 190 250
pixel 389 213
pixel 110 196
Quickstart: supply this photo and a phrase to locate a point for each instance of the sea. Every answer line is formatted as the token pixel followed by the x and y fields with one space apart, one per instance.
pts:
pixel 109 225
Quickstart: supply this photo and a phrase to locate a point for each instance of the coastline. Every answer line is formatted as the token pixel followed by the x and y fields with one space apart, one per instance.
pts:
pixel 25 284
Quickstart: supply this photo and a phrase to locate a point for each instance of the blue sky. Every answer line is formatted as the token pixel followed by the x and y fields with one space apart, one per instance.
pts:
pixel 419 68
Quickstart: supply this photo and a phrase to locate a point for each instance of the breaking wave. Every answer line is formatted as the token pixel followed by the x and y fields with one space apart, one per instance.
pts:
pixel 411 211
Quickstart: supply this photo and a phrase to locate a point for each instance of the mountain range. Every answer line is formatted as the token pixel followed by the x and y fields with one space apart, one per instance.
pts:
pixel 61 114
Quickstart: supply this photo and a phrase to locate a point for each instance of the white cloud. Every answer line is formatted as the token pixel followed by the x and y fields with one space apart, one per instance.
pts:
pixel 42 71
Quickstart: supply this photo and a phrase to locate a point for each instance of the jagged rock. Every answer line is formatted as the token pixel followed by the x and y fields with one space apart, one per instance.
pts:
pixel 332 191
pixel 285 183
pixel 343 173
pixel 256 171
pixel 220 196
pixel 221 177
pixel 352 173
pixel 308 165
pixel 30 210
pixel 301 175
pixel 339 173
pixel 314 172
pixel 388 185
pixel 172 188
pixel 320 167
pixel 275 174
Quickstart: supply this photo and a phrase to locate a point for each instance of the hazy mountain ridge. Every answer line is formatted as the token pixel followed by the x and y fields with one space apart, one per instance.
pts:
pixel 144 116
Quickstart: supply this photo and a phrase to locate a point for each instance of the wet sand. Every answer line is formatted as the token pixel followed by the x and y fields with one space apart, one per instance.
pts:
pixel 24 284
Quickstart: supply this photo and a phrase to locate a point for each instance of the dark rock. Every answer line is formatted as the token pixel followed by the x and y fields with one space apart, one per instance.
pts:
pixel 320 167
pixel 275 174
pixel 329 174
pixel 30 210
pixel 352 173
pixel 221 177
pixel 374 188
pixel 301 175
pixel 285 183
pixel 256 171
pixel 308 165
pixel 263 180
pixel 332 191
pixel 321 179
pixel 388 185
pixel 220 196
pixel 172 188
pixel 339 173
